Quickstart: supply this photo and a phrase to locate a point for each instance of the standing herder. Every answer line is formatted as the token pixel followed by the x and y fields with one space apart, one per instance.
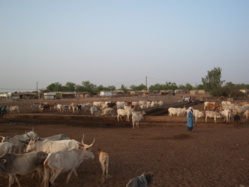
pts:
pixel 190 119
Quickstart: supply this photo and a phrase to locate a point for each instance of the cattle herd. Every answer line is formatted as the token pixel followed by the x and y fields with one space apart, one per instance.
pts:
pixel 226 110
pixel 48 157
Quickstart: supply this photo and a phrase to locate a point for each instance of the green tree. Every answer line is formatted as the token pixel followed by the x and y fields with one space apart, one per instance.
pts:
pixel 137 88
pixel 123 88
pixel 189 86
pixel 54 87
pixel 199 87
pixel 157 87
pixel 70 86
pixel 170 86
pixel 231 90
pixel 89 87
pixel 111 88
pixel 212 82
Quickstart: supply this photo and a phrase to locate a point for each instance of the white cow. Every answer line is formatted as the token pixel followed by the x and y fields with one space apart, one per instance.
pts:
pixel 246 113
pixel 212 114
pixel 120 104
pixel 94 110
pixel 226 114
pixel 13 109
pixel 36 107
pixel 65 161
pixel 239 109
pixel 49 146
pixel 107 112
pixel 198 114
pixel 177 111
pixel 124 112
pixel 19 141
pixel 6 147
pixel 136 117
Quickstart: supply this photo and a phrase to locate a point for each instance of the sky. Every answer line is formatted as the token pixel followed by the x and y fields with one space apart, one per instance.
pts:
pixel 121 42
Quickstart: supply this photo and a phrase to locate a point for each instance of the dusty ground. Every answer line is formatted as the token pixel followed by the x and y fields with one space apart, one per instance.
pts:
pixel 210 156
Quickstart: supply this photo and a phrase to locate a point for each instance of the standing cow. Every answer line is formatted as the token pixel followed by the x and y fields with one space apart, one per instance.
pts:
pixel 21 164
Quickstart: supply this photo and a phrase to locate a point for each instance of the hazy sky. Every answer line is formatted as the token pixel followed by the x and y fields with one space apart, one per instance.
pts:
pixel 121 42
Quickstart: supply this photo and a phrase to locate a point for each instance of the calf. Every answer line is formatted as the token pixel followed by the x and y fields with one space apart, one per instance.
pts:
pixel 104 162
pixel 136 117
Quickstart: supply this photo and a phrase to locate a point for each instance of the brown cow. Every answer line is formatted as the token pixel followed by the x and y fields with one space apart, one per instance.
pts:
pixel 212 106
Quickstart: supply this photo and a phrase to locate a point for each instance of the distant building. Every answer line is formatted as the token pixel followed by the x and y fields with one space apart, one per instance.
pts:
pixel 105 93
pixel 49 95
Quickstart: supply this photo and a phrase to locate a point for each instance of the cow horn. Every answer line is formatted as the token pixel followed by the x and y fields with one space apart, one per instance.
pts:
pixel 92 143
pixel 82 140
pixel 86 146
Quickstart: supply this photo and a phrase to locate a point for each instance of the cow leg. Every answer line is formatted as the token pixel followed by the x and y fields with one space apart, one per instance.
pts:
pixel 11 180
pixel 103 168
pixel 69 175
pixel 17 180
pixel 75 173
pixel 55 174
pixel 133 124
pixel 106 170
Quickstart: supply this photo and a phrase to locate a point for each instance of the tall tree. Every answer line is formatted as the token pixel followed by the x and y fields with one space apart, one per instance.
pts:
pixel 70 86
pixel 212 82
pixel 54 87
pixel 89 87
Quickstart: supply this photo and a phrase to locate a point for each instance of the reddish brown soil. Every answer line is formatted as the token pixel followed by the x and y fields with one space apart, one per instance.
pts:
pixel 210 156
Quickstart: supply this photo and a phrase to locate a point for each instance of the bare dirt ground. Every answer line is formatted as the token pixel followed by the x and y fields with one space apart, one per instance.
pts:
pixel 210 156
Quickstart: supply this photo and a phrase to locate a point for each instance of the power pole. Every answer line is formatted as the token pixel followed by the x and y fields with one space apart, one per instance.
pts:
pixel 37 90
pixel 146 83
